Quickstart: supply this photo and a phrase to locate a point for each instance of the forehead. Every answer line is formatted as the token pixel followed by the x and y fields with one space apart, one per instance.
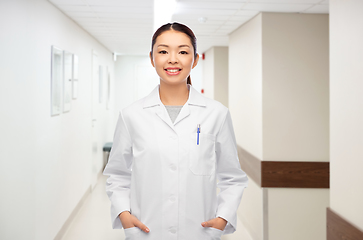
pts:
pixel 172 38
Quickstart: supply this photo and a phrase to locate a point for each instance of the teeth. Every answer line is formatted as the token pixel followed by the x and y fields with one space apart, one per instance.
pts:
pixel 172 70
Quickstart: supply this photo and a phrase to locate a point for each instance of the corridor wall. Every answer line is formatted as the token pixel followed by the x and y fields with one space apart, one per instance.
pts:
pixel 346 116
pixel 245 104
pixel 279 102
pixel 215 74
pixel 45 166
pixel 127 79
pixel 208 73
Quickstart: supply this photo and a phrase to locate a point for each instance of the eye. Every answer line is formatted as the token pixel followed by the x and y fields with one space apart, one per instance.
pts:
pixel 163 52
pixel 184 52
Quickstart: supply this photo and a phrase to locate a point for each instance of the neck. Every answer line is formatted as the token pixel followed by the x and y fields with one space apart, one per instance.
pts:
pixel 173 94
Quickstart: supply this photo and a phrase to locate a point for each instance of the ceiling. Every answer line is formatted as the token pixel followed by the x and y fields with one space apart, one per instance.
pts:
pixel 126 27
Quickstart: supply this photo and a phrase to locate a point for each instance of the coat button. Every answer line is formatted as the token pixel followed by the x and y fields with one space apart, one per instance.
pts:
pixel 172 198
pixel 173 230
pixel 173 167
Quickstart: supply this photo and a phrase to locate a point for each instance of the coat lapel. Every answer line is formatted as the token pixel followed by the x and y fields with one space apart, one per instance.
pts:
pixel 184 112
pixel 163 114
pixel 153 100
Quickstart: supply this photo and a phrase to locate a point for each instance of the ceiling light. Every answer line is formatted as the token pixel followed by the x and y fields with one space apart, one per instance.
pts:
pixel 163 11
pixel 202 19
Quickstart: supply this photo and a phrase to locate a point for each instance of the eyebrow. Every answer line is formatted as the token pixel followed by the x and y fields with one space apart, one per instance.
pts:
pixel 164 45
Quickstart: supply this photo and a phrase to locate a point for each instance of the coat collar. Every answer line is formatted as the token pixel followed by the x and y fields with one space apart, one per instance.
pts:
pixel 153 99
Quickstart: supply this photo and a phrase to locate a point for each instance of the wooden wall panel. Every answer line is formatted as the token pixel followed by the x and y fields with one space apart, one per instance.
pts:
pixel 281 174
pixel 340 229
pixel 295 174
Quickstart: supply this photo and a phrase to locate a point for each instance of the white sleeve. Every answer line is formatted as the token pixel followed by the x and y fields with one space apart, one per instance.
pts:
pixel 232 180
pixel 118 169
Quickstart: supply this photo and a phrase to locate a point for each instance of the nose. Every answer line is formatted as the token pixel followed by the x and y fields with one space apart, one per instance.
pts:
pixel 173 58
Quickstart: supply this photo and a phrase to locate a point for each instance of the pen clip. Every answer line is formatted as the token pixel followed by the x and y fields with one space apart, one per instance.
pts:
pixel 198 131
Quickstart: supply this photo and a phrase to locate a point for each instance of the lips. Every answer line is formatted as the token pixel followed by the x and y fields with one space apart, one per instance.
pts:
pixel 172 71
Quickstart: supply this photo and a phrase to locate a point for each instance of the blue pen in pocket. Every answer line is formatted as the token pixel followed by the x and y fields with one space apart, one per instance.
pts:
pixel 198 131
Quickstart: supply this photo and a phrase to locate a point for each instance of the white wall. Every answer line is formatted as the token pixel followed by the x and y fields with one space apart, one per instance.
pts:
pixel 297 214
pixel 245 84
pixel 221 75
pixel 346 109
pixel 127 82
pixel 279 96
pixel 208 73
pixel 45 161
pixel 245 104
pixel 215 74
pixel 197 75
pixel 251 210
pixel 296 116
pixel 295 87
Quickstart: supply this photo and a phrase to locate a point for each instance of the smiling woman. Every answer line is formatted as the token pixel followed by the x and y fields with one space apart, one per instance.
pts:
pixel 183 42
pixel 169 149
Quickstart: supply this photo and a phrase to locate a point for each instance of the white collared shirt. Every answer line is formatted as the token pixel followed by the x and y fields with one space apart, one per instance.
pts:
pixel 165 176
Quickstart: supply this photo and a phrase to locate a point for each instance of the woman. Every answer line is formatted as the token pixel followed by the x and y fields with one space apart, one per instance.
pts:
pixel 169 148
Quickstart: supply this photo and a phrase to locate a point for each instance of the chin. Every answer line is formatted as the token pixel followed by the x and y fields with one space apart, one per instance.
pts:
pixel 175 82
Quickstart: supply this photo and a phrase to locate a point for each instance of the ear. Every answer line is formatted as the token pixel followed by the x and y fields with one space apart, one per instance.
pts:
pixel 151 59
pixel 195 61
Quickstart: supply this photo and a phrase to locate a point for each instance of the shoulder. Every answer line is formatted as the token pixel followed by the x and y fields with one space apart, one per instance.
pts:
pixel 215 106
pixel 132 108
pixel 218 106
pixel 210 104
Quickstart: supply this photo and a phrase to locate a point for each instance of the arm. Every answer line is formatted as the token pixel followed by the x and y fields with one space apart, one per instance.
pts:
pixel 118 169
pixel 232 180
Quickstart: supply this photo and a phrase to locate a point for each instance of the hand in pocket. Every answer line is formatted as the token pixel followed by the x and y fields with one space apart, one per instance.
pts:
pixel 218 223
pixel 128 221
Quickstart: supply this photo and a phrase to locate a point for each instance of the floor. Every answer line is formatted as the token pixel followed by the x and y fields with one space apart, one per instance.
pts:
pixel 93 220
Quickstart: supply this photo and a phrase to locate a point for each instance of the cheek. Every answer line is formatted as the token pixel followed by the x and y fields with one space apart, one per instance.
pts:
pixel 189 62
pixel 159 61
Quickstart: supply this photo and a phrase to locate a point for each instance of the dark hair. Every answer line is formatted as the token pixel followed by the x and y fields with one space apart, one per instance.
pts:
pixel 180 28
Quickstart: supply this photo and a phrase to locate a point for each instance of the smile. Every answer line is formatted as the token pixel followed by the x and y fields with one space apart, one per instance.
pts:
pixel 172 71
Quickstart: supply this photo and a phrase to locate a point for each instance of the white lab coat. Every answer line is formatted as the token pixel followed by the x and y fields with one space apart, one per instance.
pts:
pixel 159 173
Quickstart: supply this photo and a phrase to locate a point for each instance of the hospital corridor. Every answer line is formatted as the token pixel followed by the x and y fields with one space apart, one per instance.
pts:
pixel 202 119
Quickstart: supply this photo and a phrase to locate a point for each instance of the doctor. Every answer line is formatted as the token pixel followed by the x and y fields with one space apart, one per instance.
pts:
pixel 169 150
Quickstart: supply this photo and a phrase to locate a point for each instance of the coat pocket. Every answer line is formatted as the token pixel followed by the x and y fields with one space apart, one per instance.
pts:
pixel 214 233
pixel 202 156
pixel 132 233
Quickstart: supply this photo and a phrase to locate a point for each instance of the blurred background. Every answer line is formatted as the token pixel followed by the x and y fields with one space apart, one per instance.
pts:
pixel 290 71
